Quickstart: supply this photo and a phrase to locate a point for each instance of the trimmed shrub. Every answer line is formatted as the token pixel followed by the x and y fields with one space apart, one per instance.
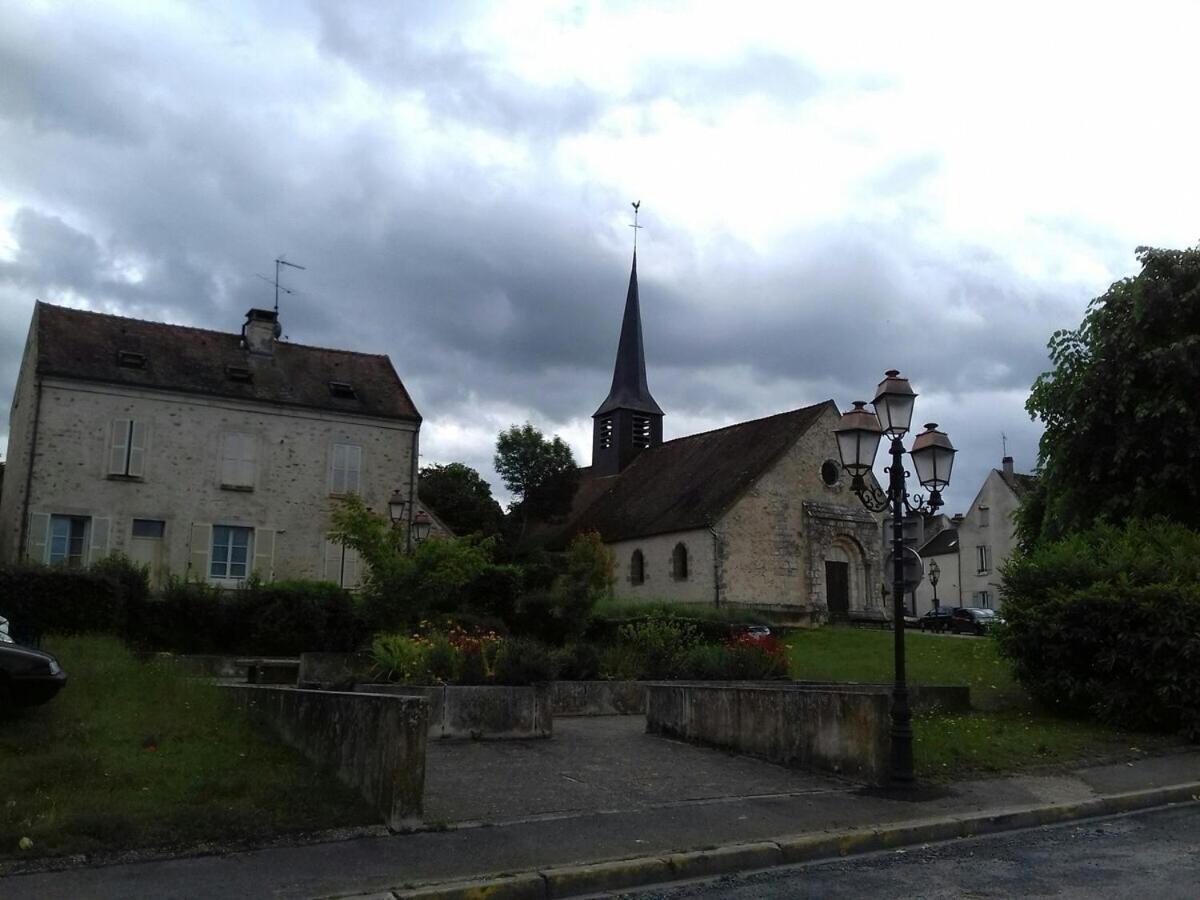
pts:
pixel 705 662
pixel 40 600
pixel 291 617
pixel 522 661
pixel 659 644
pixel 1107 622
pixel 579 662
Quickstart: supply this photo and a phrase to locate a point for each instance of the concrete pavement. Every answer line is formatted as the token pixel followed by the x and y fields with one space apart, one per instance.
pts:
pixel 603 791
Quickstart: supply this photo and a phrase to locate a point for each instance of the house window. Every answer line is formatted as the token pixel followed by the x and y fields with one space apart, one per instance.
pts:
pixel 606 432
pixel 831 472
pixel 985 517
pixel 983 558
pixel 68 541
pixel 149 528
pixel 679 563
pixel 637 568
pixel 127 450
pixel 231 549
pixel 982 598
pixel 342 565
pixel 641 431
pixel 238 461
pixel 342 389
pixel 345 469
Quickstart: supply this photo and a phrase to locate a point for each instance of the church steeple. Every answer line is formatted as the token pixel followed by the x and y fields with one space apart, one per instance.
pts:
pixel 629 420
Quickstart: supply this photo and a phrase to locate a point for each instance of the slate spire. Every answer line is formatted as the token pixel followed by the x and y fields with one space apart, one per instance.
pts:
pixel 629 389
pixel 628 421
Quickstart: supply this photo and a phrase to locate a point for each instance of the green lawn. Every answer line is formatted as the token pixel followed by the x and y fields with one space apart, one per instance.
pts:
pixel 132 755
pixel 1006 732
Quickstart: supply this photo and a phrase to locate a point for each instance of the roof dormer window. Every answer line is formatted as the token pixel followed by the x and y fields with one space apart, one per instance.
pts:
pixel 239 373
pixel 342 389
pixel 130 360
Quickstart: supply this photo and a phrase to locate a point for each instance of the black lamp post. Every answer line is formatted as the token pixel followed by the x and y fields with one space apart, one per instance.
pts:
pixel 858 434
pixel 421 525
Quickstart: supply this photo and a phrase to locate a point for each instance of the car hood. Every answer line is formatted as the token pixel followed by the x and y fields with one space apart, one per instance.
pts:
pixel 15 654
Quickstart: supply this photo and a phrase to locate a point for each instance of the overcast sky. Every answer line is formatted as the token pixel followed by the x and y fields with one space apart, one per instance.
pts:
pixel 828 190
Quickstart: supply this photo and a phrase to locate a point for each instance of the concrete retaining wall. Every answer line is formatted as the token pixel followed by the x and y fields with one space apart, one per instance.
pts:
pixel 481 712
pixel 335 669
pixel 373 743
pixel 628 698
pixel 599 698
pixel 201 665
pixel 840 731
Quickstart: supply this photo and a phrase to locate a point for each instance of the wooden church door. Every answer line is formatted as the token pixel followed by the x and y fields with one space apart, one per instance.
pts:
pixel 837 587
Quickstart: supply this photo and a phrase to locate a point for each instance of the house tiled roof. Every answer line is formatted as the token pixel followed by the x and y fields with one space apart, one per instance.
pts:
pixel 942 543
pixel 684 484
pixel 74 343
pixel 1018 484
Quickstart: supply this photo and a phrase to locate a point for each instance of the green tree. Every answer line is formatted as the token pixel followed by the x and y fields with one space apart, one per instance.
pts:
pixel 461 498
pixel 540 472
pixel 1119 407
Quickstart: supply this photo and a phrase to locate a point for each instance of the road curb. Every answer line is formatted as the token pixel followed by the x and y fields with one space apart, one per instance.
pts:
pixel 576 880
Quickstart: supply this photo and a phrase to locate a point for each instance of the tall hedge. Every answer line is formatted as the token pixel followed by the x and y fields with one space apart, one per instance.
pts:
pixel 1107 622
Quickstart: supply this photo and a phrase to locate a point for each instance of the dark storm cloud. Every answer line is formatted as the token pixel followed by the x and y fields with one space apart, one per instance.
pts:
pixel 157 182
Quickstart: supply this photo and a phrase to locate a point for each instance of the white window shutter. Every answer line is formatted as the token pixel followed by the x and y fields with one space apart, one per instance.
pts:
pixel 199 551
pixel 229 464
pixel 98 539
pixel 264 553
pixel 350 568
pixel 38 540
pixel 139 436
pixel 119 447
pixel 248 459
pixel 333 562
pixel 353 467
pixel 337 470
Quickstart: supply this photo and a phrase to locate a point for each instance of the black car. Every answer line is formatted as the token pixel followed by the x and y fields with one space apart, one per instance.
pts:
pixel 973 620
pixel 936 620
pixel 27 676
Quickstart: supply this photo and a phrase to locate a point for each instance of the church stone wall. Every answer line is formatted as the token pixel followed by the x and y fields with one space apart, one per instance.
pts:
pixel 659 583
pixel 776 538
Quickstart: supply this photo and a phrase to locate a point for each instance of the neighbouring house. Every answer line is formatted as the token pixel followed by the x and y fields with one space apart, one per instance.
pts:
pixel 757 514
pixel 201 454
pixel 971 550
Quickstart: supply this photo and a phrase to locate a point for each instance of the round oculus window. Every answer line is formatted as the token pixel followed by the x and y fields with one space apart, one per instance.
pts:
pixel 831 472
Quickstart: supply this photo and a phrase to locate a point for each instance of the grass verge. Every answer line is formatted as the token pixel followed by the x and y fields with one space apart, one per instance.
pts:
pixel 1006 732
pixel 132 755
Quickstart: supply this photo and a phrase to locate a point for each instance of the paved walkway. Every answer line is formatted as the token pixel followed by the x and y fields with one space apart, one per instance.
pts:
pixel 600 790
pixel 593 765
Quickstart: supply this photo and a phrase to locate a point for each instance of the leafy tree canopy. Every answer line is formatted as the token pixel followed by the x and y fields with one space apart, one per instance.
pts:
pixel 540 472
pixel 1120 407
pixel 461 498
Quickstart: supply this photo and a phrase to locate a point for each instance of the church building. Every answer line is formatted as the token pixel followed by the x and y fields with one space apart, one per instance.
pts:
pixel 757 514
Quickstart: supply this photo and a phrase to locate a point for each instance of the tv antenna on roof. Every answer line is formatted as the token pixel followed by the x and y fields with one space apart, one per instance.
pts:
pixel 1004 443
pixel 279 287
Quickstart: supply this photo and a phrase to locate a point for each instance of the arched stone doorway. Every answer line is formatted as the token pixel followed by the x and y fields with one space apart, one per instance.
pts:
pixel 845 577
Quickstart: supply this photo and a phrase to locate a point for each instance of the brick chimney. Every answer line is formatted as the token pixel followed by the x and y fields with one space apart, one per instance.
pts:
pixel 261 331
pixel 1007 462
pixel 957 519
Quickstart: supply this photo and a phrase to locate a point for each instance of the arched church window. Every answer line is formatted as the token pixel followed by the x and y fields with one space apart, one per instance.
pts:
pixel 637 567
pixel 606 432
pixel 679 562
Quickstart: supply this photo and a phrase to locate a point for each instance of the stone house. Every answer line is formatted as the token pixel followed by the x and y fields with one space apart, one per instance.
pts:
pixel 757 514
pixel 971 550
pixel 201 454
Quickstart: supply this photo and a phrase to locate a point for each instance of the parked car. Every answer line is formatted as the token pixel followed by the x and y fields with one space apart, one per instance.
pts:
pixel 5 638
pixel 937 620
pixel 758 632
pixel 973 620
pixel 28 677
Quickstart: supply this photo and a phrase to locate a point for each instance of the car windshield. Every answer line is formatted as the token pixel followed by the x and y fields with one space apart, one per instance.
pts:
pixel 985 613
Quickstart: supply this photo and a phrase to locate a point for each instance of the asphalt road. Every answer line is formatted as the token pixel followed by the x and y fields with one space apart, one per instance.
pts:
pixel 1153 854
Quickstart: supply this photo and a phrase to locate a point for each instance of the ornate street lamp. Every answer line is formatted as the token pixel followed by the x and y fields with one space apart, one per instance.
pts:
pixel 858 434
pixel 397 508
pixel 421 525
pixel 935 572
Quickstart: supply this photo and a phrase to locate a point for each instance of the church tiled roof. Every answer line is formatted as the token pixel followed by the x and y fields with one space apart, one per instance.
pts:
pixel 686 483
pixel 74 343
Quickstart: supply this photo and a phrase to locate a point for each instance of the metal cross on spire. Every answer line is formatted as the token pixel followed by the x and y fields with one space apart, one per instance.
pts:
pixel 635 226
